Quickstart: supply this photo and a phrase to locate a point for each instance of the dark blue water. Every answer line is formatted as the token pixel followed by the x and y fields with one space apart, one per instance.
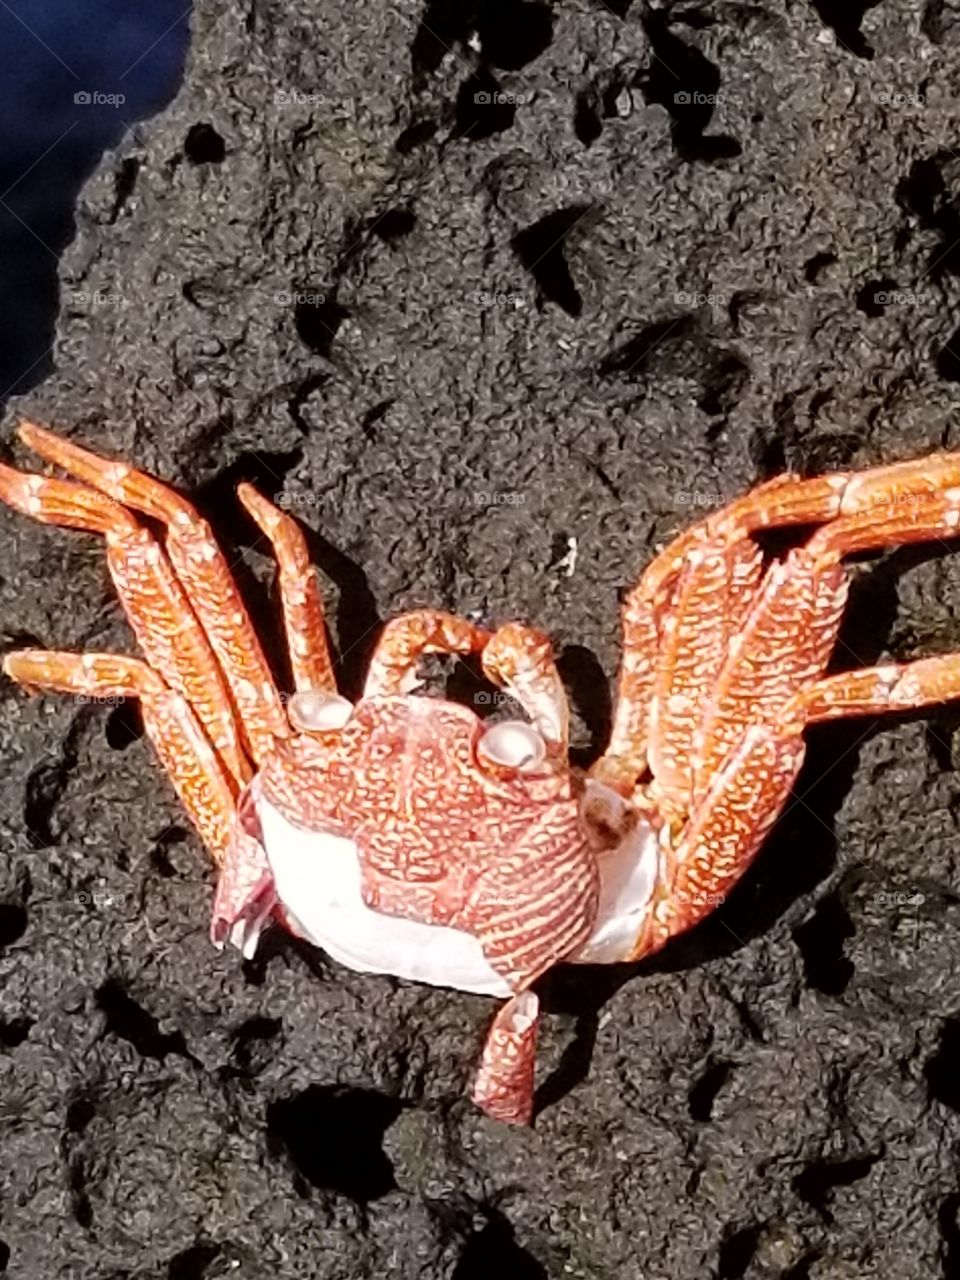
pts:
pixel 75 75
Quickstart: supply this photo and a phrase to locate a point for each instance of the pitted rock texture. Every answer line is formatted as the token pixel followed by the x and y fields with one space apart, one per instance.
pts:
pixel 496 296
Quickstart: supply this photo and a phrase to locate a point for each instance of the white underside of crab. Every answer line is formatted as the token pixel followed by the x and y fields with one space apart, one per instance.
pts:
pixel 317 878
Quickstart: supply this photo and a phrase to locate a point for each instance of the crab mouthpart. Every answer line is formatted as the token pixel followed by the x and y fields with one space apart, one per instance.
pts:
pixel 628 857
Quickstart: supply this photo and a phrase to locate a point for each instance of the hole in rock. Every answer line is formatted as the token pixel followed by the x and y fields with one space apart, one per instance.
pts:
pixel 13 922
pixel 334 1138
pixel 845 18
pixel 948 361
pixel 483 109
pixel 821 941
pixel 14 1031
pixel 394 223
pixel 815 1184
pixel 943 1069
pixel 513 34
pixel 203 145
pixel 493 1250
pixel 124 725
pixel 193 1263
pixel 542 250
pixel 703 1092
pixel 736 1253
pixel 875 296
pixel 317 320
pixel 131 1022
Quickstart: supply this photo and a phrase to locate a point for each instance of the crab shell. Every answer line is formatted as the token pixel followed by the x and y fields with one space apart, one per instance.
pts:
pixel 417 841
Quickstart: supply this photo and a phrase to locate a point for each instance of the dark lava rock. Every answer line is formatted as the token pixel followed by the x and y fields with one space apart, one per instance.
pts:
pixel 463 283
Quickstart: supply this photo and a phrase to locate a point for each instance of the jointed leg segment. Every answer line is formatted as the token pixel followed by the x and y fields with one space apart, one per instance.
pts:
pixel 202 572
pixel 207 678
pixel 306 630
pixel 166 627
pixel 206 789
pixel 904 502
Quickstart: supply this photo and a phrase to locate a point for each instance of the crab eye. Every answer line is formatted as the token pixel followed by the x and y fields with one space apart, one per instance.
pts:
pixel 316 712
pixel 513 744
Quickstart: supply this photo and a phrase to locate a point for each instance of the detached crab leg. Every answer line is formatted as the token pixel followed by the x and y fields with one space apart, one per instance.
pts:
pixel 165 625
pixel 203 573
pixel 206 790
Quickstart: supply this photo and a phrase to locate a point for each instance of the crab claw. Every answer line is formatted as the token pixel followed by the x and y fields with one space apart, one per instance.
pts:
pixel 246 897
pixel 241 924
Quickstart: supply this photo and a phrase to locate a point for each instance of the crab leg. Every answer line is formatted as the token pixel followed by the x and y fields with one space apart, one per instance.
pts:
pixel 789 634
pixel 724 833
pixel 203 573
pixel 690 603
pixel 404 640
pixel 206 790
pixel 503 1086
pixel 526 925
pixel 166 627
pixel 299 593
pixel 651 617
pixel 905 686
pixel 520 660
pixel 747 794
pixel 515 657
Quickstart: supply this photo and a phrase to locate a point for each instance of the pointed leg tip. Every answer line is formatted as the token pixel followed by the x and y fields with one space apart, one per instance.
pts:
pixel 30 432
pixel 20 664
pixel 260 508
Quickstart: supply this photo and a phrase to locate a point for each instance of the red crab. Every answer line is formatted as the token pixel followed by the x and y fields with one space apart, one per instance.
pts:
pixel 403 835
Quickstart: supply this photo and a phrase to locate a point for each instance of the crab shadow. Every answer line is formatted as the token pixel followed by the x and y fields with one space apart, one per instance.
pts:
pixel 799 853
